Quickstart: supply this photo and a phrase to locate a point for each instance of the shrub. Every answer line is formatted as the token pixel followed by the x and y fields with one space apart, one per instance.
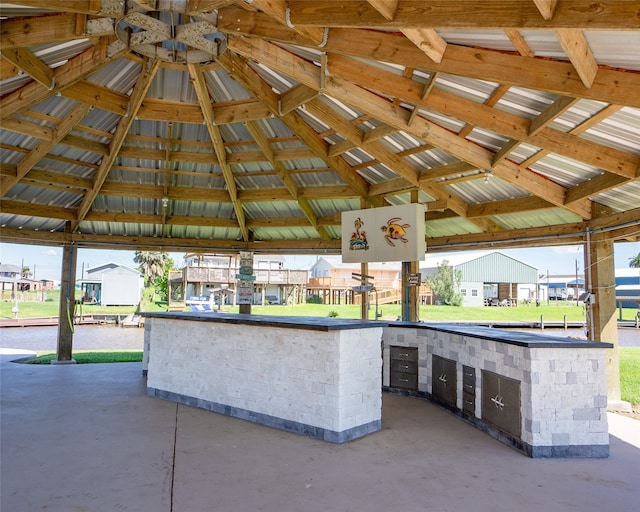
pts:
pixel 333 313
pixel 314 299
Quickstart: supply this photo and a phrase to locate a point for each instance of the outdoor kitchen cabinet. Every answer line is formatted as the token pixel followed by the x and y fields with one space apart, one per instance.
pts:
pixel 501 403
pixel 444 380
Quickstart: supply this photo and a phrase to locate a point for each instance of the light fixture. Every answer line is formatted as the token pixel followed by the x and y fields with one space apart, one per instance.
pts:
pixel 165 201
pixel 488 175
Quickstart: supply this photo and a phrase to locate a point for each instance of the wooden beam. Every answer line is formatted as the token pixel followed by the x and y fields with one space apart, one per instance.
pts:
pixel 74 70
pixel 279 10
pixel 428 41
pixel 477 114
pixel 27 163
pixel 557 108
pixel 577 49
pixel 31 65
pixel 385 7
pixel 197 80
pixel 466 15
pixel 98 96
pixel 546 8
pixel 295 97
pixel 609 86
pixel 520 44
pixel 147 74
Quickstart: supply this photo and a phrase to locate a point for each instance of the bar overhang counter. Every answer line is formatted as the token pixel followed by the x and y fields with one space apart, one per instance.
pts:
pixel 321 377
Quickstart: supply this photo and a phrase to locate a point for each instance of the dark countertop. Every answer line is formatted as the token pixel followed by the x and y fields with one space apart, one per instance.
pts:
pixel 522 339
pixel 312 323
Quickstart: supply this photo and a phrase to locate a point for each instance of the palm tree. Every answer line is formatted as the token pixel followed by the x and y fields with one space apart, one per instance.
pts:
pixel 151 264
pixel 635 261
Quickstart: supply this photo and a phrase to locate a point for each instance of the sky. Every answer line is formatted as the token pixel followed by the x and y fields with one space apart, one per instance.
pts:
pixel 47 261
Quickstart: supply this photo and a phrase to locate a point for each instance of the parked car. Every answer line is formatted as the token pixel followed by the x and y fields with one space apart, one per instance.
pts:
pixel 271 300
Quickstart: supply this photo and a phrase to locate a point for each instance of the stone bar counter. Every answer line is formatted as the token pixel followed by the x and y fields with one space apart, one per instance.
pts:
pixel 545 396
pixel 321 377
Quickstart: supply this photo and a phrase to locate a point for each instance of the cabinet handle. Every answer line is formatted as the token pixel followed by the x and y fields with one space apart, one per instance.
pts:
pixel 404 380
pixel 443 378
pixel 498 401
pixel 404 355
pixel 406 366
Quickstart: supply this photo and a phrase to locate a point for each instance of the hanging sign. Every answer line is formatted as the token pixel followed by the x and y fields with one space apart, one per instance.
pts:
pixel 392 233
pixel 245 277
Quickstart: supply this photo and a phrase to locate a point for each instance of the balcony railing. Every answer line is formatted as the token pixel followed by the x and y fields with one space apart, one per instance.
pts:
pixel 228 275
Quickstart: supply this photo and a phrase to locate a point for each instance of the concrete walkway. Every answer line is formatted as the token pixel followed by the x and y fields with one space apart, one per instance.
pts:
pixel 87 438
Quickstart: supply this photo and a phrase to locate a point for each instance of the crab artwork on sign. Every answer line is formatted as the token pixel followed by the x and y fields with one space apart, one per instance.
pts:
pixel 394 230
pixel 358 241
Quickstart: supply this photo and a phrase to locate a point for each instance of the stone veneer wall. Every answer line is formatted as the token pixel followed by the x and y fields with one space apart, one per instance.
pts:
pixel 325 384
pixel 563 389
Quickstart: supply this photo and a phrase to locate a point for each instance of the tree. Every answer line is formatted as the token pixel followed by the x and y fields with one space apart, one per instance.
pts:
pixel 155 266
pixel 151 264
pixel 445 284
pixel 635 261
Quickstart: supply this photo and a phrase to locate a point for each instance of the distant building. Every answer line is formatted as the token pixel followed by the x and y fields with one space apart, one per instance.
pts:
pixel 332 281
pixel 488 278
pixel 213 277
pixel 112 284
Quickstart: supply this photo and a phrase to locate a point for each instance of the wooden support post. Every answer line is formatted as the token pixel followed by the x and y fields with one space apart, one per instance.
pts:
pixel 67 305
pixel 410 294
pixel 601 283
pixel 364 296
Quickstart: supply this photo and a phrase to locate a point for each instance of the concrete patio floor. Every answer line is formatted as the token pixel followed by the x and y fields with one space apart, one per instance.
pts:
pixel 87 438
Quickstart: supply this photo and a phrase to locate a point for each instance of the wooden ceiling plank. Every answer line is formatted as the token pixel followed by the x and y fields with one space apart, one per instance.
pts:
pixel 31 65
pixel 507 148
pixel 147 74
pixel 43 147
pixel 204 99
pixel 577 49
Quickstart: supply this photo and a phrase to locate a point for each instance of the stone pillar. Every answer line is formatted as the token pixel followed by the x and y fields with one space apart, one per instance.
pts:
pixel 600 277
pixel 67 305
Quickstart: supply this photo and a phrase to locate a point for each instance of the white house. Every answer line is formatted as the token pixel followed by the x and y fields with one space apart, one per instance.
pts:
pixel 112 284
pixel 488 278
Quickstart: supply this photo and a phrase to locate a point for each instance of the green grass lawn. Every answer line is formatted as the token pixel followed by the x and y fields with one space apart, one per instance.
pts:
pixel 550 312
pixel 630 374
pixel 93 356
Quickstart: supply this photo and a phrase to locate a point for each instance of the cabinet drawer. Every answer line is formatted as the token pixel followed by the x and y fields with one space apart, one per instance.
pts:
pixel 404 366
pixel 468 402
pixel 469 375
pixel 404 353
pixel 403 380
